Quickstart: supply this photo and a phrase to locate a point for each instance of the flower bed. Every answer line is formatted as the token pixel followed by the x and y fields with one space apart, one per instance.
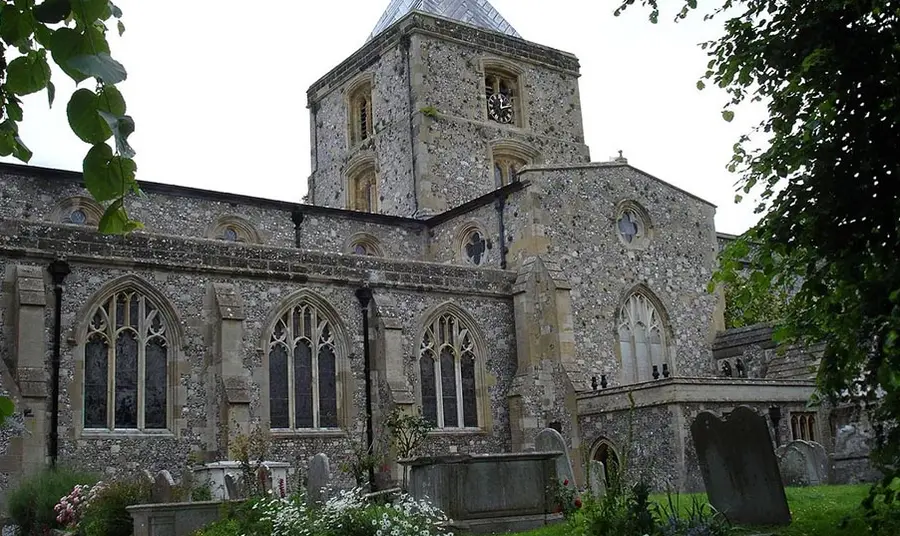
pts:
pixel 349 513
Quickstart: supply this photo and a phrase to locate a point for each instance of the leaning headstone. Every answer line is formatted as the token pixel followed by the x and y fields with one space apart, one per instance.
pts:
pixel 232 488
pixel 739 467
pixel 549 440
pixel 161 492
pixel 803 463
pixel 598 479
pixel 318 478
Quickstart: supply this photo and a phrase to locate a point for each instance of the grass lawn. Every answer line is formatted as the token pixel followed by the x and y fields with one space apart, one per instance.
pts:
pixel 816 511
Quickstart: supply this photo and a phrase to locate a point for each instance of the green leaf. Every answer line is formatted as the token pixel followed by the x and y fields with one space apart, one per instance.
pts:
pixel 20 150
pixel 121 28
pixel 84 117
pixel 122 127
pixel 116 221
pixel 100 66
pixel 15 26
pixel 51 93
pixel 28 74
pixel 88 11
pixel 108 177
pixel 52 11
pixel 727 115
pixel 14 109
pixel 111 101
pixel 43 35
pixel 68 43
pixel 114 9
pixel 700 85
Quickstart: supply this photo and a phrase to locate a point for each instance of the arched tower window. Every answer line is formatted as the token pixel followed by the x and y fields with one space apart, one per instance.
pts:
pixel 303 370
pixel 509 156
pixel 449 373
pixel 642 338
pixel 126 364
pixel 359 111
pixel 362 184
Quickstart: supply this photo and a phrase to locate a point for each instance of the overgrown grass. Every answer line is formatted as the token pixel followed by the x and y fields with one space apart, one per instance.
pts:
pixel 816 511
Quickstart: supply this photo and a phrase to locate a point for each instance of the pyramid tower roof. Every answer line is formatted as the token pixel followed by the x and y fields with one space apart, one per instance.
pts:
pixel 478 13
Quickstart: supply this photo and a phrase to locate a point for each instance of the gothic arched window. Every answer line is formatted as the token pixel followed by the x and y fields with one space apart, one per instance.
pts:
pixel 360 111
pixel 364 190
pixel 126 365
pixel 642 339
pixel 447 370
pixel 303 365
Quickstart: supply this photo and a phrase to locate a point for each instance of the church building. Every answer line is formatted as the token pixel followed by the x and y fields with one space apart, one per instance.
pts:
pixel 459 254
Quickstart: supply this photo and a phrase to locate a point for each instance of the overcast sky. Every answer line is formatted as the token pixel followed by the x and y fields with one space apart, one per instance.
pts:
pixel 217 89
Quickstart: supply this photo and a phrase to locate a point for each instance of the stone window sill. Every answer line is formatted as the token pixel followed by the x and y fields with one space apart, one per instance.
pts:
pixel 120 434
pixel 457 432
pixel 307 433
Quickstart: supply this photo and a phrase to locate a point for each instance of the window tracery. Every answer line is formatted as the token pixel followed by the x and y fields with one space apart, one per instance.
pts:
pixel 447 373
pixel 803 426
pixel 642 338
pixel 303 364
pixel 632 225
pixel 126 361
pixel 502 96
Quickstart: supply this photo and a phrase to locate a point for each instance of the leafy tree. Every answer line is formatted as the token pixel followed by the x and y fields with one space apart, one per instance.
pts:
pixel 71 34
pixel 827 175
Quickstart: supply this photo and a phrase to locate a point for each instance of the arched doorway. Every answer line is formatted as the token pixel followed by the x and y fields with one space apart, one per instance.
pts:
pixel 605 453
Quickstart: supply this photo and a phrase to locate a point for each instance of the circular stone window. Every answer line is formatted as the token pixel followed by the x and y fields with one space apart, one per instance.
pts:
pixel 78 217
pixel 632 226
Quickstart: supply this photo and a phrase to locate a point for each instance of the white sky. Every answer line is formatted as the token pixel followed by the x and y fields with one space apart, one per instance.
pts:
pixel 217 89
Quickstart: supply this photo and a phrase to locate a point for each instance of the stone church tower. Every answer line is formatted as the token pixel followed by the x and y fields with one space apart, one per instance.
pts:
pixel 436 113
pixel 460 256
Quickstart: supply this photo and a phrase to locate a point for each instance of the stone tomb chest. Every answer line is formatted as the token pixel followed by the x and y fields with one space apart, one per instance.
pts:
pixel 487 493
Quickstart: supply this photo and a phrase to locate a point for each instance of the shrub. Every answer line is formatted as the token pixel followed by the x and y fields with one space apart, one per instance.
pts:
pixel 31 503
pixel 106 515
pixel 565 498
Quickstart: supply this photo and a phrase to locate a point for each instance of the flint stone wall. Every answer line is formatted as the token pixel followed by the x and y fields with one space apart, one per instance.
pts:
pixel 577 209
pixel 181 270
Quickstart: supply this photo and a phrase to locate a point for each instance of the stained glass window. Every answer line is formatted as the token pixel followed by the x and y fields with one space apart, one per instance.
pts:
pixel 78 216
pixel 642 339
pixel 447 372
pixel 303 371
pixel 126 360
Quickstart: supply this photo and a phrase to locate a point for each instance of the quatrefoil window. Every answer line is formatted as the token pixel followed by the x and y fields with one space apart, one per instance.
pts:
pixel 475 248
pixel 632 225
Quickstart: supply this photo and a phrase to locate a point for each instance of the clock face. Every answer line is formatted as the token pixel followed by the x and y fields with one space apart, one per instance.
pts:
pixel 500 108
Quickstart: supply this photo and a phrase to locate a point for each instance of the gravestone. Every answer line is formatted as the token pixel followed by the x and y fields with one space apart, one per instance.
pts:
pixel 318 478
pixel 161 492
pixel 803 463
pixel 598 479
pixel 232 488
pixel 739 467
pixel 549 440
pixel 264 477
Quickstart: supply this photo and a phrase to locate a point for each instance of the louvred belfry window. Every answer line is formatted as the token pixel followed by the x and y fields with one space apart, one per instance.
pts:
pixel 447 367
pixel 303 371
pixel 126 361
